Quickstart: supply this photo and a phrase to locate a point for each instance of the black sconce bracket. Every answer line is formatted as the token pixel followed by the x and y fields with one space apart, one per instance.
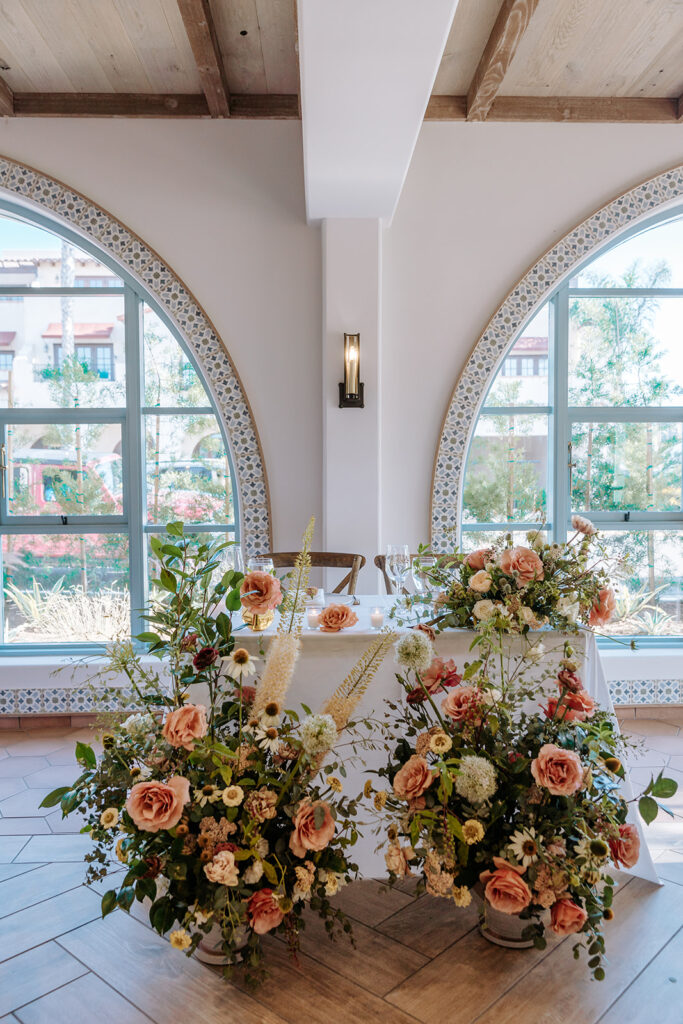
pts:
pixel 356 402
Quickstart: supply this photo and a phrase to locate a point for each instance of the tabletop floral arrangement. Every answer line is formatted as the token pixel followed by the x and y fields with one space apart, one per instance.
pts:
pixel 518 588
pixel 221 811
pixel 493 797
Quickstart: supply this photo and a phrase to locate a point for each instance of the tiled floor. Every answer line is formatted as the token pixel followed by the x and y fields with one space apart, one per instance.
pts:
pixel 415 960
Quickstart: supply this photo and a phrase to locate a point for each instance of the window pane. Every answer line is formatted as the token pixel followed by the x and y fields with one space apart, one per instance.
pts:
pixel 64 469
pixel 625 351
pixel 68 350
pixel 188 473
pixel 650 593
pixel 523 376
pixel 506 476
pixel 653 258
pixel 170 378
pixel 153 564
pixel 35 258
pixel 65 588
pixel 626 466
pixel 473 539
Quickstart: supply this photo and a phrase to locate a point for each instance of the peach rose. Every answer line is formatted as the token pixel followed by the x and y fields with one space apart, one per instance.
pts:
pixel 575 707
pixel 336 617
pixel 478 559
pixel 264 911
pixel 154 806
pixel 440 675
pixel 463 704
pixel 522 563
pixel 411 781
pixel 603 608
pixel 567 917
pixel 558 770
pixel 481 582
pixel 626 849
pixel 306 836
pixel 260 592
pixel 185 725
pixel 222 869
pixel 504 889
pixel 397 858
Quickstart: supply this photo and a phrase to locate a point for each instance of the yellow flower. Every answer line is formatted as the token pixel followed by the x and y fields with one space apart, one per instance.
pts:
pixel 120 852
pixel 109 818
pixel 367 789
pixel 462 897
pixel 472 832
pixel 334 783
pixel 380 800
pixel 440 742
pixel 180 939
pixel 232 796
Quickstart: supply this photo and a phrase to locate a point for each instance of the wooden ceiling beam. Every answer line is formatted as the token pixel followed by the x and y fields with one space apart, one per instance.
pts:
pixel 679 108
pixel 506 35
pixel 201 32
pixel 586 109
pixel 6 99
pixel 110 104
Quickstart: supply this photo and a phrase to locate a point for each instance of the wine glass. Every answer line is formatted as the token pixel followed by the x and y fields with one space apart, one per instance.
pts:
pixel 420 568
pixel 261 563
pixel 398 565
pixel 231 558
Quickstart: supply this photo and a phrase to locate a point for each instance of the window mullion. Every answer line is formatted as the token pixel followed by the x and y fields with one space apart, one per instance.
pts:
pixel 133 466
pixel 560 384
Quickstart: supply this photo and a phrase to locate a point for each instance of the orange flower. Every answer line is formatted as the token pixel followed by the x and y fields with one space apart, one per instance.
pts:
pixel 336 617
pixel 154 806
pixel 603 608
pixel 522 563
pixel 260 592
pixel 504 889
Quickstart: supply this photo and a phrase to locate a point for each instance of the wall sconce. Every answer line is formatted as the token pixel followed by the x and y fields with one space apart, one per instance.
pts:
pixel 351 391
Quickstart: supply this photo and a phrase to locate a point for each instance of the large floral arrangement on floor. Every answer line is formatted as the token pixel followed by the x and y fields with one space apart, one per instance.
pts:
pixel 521 587
pixel 218 806
pixel 490 794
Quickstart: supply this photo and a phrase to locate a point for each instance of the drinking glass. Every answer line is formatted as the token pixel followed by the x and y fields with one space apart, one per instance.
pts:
pixel 398 565
pixel 420 567
pixel 261 563
pixel 231 558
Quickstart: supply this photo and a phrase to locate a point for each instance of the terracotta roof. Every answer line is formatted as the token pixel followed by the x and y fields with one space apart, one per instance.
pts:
pixel 6 338
pixel 93 331
pixel 535 346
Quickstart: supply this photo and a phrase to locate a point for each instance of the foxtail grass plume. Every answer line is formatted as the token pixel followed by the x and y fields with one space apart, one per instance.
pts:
pixel 293 605
pixel 346 697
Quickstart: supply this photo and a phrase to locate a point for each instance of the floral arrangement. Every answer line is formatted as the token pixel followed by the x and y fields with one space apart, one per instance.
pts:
pixel 493 797
pixel 517 588
pixel 214 797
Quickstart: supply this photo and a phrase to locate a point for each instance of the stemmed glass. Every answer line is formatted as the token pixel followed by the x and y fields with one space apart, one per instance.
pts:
pixel 398 565
pixel 261 563
pixel 231 558
pixel 420 568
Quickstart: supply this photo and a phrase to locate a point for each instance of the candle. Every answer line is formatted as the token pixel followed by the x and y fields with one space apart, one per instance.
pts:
pixel 313 618
pixel 377 618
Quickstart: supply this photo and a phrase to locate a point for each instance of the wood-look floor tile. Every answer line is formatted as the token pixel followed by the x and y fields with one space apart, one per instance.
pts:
pixel 34 744
pixel 429 925
pixel 307 991
pixel 52 777
pixel 24 827
pixel 55 848
pixel 157 979
pixel 10 847
pixel 63 756
pixel 376 962
pixel 657 989
pixel 47 920
pixel 19 893
pixel 646 918
pixel 370 901
pixel 88 995
pixel 670 868
pixel 10 787
pixel 25 804
pixel 18 767
pixel 12 870
pixel 32 974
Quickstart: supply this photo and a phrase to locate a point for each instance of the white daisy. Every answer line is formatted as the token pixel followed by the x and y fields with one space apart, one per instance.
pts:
pixel 207 795
pixel 268 739
pixel 240 663
pixel 524 845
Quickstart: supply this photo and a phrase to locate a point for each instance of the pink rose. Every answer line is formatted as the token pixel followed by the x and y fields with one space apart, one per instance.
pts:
pixel 481 582
pixel 557 770
pixel 504 889
pixel 567 917
pixel 574 707
pixel 260 592
pixel 264 911
pixel 603 608
pixel 478 559
pixel 626 849
pixel 411 781
pixel 522 563
pixel 569 680
pixel 337 617
pixel 440 675
pixel 463 704
pixel 154 806
pixel 185 725
pixel 306 836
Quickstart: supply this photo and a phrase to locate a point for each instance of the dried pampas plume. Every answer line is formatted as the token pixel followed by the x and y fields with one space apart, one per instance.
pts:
pixel 293 606
pixel 348 696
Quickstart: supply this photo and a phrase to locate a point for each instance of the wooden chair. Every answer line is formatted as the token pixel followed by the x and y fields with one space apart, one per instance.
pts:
pixel 381 563
pixel 325 560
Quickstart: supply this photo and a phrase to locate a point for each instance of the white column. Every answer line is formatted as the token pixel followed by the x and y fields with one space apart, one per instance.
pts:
pixel 352 303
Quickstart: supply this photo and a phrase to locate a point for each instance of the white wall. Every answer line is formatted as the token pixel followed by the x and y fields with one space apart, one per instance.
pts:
pixel 223 204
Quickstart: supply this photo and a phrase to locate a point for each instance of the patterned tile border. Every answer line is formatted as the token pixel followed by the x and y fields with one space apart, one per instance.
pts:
pixel 192 323
pixel 517 309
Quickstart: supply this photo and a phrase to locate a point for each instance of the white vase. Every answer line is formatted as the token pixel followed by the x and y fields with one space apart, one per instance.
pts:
pixel 210 949
pixel 503 929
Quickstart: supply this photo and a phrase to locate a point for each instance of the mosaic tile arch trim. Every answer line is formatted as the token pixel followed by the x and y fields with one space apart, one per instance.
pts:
pixel 192 323
pixel 518 308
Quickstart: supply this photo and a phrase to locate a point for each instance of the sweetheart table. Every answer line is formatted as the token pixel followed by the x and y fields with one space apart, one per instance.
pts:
pixel 326 659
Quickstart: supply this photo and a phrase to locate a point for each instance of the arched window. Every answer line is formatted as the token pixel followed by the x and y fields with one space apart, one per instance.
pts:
pixel 585 415
pixel 107 434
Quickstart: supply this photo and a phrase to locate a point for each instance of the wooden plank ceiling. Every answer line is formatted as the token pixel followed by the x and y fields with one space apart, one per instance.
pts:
pixel 505 60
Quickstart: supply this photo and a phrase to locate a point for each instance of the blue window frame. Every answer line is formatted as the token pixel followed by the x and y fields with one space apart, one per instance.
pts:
pixel 598 428
pixel 101 447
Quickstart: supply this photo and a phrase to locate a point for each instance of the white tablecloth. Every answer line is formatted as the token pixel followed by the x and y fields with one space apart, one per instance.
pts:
pixel 327 658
